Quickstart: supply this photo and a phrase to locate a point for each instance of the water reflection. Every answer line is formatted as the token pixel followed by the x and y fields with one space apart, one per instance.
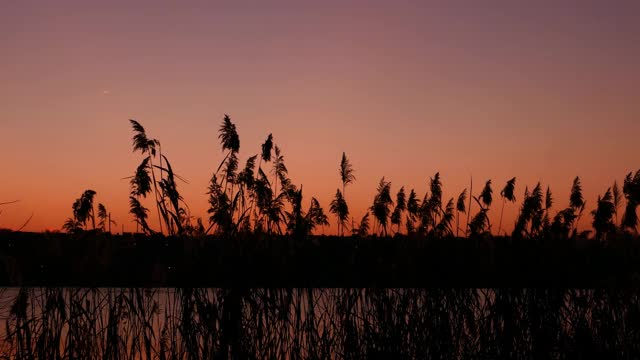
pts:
pixel 52 323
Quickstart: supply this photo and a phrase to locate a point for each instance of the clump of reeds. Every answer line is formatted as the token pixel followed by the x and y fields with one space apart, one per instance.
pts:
pixel 319 323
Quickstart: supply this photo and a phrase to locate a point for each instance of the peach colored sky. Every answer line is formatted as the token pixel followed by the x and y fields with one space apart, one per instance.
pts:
pixel 543 91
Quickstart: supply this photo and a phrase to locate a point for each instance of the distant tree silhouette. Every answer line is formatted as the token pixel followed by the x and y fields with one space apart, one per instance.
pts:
pixel 507 194
pixel 339 208
pixel 381 204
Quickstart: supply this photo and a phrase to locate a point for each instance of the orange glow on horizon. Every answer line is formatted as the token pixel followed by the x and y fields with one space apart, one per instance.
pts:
pixel 540 92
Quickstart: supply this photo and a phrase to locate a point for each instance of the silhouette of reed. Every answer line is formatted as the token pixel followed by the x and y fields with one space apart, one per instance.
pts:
pixel 194 323
pixel 249 201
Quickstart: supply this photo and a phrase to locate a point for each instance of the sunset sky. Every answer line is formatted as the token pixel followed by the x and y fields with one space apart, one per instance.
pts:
pixel 543 91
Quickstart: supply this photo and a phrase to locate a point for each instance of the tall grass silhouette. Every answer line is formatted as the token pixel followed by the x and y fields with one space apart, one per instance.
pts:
pixel 253 200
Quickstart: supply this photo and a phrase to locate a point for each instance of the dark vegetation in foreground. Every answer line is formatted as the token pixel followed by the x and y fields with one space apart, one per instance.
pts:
pixel 320 324
pixel 102 259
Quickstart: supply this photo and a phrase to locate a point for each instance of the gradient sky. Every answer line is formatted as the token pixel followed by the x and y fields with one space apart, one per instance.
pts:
pixel 542 90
